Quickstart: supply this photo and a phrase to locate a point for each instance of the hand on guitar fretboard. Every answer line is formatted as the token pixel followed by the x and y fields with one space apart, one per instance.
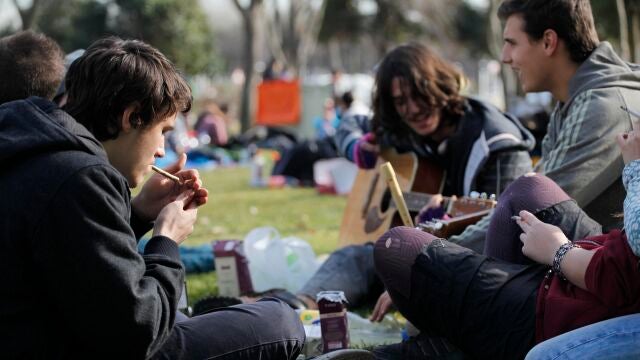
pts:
pixel 460 213
pixel 453 226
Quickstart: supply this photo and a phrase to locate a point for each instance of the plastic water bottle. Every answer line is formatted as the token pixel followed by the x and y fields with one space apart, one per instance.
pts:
pixel 257 171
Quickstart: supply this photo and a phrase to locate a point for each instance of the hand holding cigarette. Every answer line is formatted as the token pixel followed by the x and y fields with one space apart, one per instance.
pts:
pixel 635 116
pixel 158 192
pixel 540 241
pixel 629 143
pixel 167 175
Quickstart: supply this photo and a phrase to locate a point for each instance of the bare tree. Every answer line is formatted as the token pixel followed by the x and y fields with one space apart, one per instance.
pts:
pixel 624 30
pixel 439 18
pixel 29 13
pixel 633 12
pixel 293 35
pixel 309 23
pixel 397 21
pixel 509 81
pixel 250 15
pixel 495 35
pixel 391 23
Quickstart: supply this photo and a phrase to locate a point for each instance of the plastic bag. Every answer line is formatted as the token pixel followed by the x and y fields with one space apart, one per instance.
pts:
pixel 267 264
pixel 278 263
pixel 366 333
pixel 301 262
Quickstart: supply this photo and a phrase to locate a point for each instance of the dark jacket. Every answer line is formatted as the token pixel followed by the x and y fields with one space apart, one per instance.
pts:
pixel 487 152
pixel 73 283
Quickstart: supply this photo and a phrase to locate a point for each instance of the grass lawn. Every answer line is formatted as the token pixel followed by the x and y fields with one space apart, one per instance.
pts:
pixel 235 208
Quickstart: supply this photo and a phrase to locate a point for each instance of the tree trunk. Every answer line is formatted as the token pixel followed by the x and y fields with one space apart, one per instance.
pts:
pixel 624 30
pixel 29 15
pixel 635 35
pixel 335 57
pixel 292 37
pixel 249 17
pixel 308 37
pixel 247 67
pixel 275 36
pixel 509 81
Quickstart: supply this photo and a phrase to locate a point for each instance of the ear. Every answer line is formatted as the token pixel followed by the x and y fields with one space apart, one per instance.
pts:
pixel 550 42
pixel 129 117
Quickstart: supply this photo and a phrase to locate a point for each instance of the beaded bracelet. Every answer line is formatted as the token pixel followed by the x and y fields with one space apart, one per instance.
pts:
pixel 557 258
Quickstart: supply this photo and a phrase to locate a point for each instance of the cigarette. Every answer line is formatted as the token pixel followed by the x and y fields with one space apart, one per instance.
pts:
pixel 516 218
pixel 634 113
pixel 166 174
pixel 631 111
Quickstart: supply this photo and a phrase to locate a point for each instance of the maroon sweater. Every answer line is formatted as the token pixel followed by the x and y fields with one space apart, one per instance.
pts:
pixel 613 283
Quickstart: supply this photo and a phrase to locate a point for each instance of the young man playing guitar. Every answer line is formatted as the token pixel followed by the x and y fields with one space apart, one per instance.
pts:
pixel 418 108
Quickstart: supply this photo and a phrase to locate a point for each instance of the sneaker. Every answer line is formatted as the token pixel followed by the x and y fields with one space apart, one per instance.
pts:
pixel 346 354
pixel 419 347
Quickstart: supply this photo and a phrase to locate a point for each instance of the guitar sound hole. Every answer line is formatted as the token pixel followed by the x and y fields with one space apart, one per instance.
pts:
pixel 385 201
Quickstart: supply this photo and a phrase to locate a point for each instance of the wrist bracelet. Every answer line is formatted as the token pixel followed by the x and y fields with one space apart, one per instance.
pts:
pixel 559 256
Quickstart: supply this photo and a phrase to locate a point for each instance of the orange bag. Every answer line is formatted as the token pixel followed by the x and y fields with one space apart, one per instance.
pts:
pixel 278 102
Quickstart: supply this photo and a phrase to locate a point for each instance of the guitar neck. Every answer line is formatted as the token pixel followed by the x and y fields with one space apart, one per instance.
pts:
pixel 453 206
pixel 415 201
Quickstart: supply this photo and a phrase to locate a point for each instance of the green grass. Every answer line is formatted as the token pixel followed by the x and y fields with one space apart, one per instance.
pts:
pixel 235 208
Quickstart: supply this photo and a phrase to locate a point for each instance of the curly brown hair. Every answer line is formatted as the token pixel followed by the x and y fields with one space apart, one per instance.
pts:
pixel 433 82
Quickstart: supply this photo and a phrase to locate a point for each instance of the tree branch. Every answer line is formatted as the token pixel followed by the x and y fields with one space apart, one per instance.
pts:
pixel 624 30
pixel 236 3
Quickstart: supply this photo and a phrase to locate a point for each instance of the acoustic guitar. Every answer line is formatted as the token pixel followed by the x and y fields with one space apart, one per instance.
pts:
pixel 370 209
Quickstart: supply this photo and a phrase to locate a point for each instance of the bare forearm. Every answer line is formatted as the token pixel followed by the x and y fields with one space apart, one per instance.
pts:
pixel 574 266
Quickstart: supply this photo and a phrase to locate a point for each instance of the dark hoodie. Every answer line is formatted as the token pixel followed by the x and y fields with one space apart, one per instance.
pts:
pixel 74 284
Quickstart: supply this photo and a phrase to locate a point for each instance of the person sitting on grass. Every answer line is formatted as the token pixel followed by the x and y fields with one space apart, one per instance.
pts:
pixel 618 337
pixel 418 107
pixel 75 286
pixel 542 285
pixel 553 46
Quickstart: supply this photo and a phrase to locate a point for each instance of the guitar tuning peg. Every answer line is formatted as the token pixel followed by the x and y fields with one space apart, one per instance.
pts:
pixel 474 194
pixel 483 196
pixel 492 197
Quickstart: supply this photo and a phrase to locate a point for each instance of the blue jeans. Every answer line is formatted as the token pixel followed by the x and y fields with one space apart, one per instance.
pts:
pixel 616 338
pixel 349 269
